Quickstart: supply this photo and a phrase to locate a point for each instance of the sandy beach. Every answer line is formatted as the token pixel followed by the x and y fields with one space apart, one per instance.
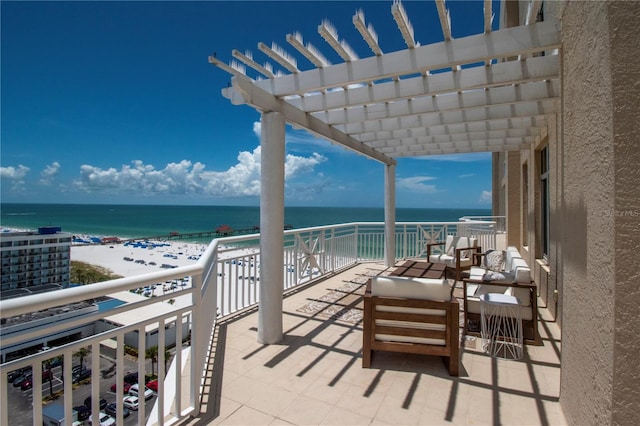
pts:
pixel 143 260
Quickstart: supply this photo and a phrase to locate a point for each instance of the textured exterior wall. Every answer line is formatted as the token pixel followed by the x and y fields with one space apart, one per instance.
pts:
pixel 588 276
pixel 624 37
pixel 599 383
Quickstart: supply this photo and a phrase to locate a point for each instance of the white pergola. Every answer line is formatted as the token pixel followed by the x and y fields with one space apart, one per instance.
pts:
pixel 486 92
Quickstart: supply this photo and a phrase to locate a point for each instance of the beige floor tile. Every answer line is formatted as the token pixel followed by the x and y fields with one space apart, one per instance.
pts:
pixel 226 408
pixel 272 400
pixel 304 410
pixel 393 410
pixel 340 416
pixel 365 403
pixel 315 376
pixel 247 416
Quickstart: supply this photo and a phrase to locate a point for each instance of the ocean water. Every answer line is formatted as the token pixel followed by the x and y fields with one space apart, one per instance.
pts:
pixel 137 221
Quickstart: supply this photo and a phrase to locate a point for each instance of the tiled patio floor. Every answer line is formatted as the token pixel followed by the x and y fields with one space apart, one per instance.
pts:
pixel 314 376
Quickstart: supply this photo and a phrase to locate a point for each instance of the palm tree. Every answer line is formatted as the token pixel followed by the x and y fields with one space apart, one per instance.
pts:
pixel 82 353
pixel 152 353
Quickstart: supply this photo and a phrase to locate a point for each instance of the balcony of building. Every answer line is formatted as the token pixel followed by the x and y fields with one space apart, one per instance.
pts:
pixel 217 372
pixel 315 375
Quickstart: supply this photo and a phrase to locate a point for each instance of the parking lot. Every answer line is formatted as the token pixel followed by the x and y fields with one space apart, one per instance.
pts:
pixel 20 401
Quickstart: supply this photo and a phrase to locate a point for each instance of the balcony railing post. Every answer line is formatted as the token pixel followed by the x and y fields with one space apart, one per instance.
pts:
pixel 197 351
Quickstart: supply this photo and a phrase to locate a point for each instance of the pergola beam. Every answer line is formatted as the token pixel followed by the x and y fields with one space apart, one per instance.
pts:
pixel 445 19
pixel 308 51
pixel 512 72
pixel 280 56
pixel 248 59
pixel 507 135
pixel 402 21
pixel 523 109
pixel 496 96
pixel 488 16
pixel 330 35
pixel 367 32
pixel 493 145
pixel 507 127
pixel 244 91
pixel 509 42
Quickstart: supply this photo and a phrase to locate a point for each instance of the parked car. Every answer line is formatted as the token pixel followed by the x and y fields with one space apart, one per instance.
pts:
pixel 110 409
pixel 102 404
pixel 12 376
pixel 131 378
pixel 104 420
pixel 153 385
pixel 17 382
pixel 83 412
pixel 125 387
pixel 134 390
pixel 54 362
pixel 131 402
pixel 28 384
pixel 80 375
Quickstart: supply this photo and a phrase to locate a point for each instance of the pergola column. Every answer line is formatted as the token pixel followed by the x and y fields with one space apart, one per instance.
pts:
pixel 272 160
pixel 390 215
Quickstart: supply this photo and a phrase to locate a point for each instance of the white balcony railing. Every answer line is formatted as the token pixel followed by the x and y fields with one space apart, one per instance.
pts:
pixel 500 221
pixel 224 281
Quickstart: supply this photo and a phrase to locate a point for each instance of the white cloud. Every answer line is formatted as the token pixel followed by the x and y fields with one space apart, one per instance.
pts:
pixel 49 173
pixel 240 180
pixel 485 197
pixel 417 184
pixel 14 173
pixel 466 175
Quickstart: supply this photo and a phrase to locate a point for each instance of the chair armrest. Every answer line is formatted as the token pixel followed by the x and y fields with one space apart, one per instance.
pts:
pixel 466 281
pixel 478 257
pixel 476 249
pixel 440 243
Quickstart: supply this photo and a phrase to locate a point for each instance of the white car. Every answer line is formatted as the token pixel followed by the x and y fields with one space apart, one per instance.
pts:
pixel 131 402
pixel 105 420
pixel 148 393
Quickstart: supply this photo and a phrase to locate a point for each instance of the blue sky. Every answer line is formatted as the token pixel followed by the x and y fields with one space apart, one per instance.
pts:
pixel 115 102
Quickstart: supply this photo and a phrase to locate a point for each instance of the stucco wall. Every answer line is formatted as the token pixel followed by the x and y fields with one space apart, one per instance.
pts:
pixel 600 158
pixel 624 38
pixel 588 279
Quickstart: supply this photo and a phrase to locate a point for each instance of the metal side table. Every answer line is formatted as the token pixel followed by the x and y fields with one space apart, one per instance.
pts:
pixel 501 319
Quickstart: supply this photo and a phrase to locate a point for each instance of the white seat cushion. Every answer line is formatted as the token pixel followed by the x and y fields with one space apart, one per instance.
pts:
pixel 411 288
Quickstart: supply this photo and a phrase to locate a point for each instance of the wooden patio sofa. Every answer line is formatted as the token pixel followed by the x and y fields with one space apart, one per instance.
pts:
pixel 411 315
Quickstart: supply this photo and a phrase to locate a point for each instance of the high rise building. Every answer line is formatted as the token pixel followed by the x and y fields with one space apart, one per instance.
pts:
pixel 34 261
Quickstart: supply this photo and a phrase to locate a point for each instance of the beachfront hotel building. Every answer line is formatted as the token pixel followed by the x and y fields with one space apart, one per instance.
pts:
pixel 34 261
pixel 554 95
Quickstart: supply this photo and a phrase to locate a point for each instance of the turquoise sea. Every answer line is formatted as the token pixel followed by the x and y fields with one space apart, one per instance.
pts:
pixel 136 221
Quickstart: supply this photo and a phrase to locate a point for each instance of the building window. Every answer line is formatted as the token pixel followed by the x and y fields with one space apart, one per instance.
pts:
pixel 544 201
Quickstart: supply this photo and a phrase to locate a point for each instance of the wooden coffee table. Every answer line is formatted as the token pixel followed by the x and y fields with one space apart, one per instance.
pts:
pixel 420 269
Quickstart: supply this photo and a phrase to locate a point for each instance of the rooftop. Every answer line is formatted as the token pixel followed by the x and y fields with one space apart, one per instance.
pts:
pixel 315 376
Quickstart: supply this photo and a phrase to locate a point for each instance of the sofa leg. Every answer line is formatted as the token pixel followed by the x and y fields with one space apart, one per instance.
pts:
pixel 366 358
